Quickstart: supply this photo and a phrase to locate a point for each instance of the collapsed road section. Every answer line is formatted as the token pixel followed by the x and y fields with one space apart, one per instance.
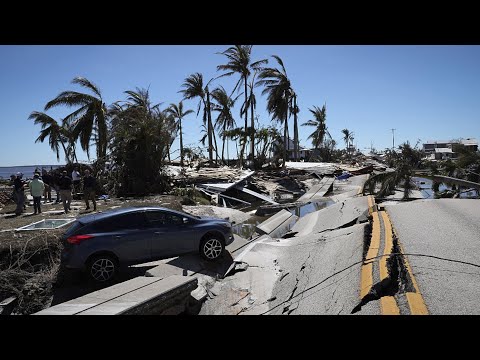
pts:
pixel 306 271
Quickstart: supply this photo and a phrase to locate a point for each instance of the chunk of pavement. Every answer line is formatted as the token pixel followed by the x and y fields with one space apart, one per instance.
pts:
pixel 282 219
pixel 199 293
pixel 216 288
pixel 241 266
pixel 332 217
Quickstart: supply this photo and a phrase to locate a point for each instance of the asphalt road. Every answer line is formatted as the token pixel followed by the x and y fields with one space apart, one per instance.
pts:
pixel 442 241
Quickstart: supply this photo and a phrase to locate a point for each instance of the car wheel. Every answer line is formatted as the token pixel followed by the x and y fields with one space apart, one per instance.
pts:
pixel 102 268
pixel 211 248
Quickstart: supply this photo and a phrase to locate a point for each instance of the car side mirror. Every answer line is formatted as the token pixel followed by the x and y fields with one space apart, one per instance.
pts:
pixel 185 220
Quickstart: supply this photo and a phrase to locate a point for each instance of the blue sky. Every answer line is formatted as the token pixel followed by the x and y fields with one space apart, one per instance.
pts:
pixel 424 92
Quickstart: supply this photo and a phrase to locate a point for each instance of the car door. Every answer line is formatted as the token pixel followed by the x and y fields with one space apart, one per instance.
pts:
pixel 173 237
pixel 129 237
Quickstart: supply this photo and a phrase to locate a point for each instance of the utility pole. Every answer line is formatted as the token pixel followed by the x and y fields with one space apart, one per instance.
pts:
pixel 393 138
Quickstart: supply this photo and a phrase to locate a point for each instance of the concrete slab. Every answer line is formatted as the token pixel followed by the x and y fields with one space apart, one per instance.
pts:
pixel 96 298
pixel 332 217
pixel 282 218
pixel 322 273
pixel 318 190
pixel 143 297
pixel 343 196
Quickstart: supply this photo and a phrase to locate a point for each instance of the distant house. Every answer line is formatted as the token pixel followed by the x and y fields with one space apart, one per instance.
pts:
pixel 303 153
pixel 441 150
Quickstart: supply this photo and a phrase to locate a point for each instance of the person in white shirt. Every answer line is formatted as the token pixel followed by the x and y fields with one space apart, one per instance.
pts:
pixel 76 180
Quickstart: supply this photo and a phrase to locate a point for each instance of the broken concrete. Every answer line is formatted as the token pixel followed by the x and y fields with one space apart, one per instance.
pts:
pixel 248 291
pixel 233 215
pixel 136 296
pixel 318 190
pixel 323 273
pixel 278 224
pixel 332 217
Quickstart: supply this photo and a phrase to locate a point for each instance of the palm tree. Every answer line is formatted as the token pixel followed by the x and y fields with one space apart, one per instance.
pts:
pixel 277 86
pixel 404 162
pixel 320 117
pixel 177 112
pixel 295 110
pixel 193 88
pixel 56 133
pixel 348 138
pixel 239 61
pixel 225 120
pixel 91 114
pixel 252 104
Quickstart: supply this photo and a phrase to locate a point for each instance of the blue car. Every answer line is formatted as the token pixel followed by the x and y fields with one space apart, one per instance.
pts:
pixel 100 243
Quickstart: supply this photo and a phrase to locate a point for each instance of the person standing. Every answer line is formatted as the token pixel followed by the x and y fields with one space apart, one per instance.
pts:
pixel 76 180
pixel 65 185
pixel 47 180
pixel 55 181
pixel 19 193
pixel 36 189
pixel 89 183
pixel 12 184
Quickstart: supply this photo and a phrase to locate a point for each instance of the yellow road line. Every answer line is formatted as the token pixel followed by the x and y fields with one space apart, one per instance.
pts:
pixel 416 304
pixel 388 246
pixel 415 300
pixel 371 204
pixel 366 280
pixel 388 304
pixel 375 242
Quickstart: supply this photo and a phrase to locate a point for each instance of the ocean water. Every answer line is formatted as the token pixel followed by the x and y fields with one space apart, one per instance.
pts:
pixel 27 171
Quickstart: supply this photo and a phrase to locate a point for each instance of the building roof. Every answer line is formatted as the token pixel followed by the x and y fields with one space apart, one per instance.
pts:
pixel 469 141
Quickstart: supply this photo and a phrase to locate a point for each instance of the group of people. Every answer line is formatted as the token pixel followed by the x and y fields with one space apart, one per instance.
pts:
pixel 42 184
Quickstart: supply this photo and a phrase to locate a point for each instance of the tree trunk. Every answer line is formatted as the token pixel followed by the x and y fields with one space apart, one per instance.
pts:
pixel 252 122
pixel 223 142
pixel 216 147
pixel 295 128
pixel 245 136
pixel 285 134
pixel 181 141
pixel 209 129
pixel 64 150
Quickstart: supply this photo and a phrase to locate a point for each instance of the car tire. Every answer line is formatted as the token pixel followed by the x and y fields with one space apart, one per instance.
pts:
pixel 102 268
pixel 212 247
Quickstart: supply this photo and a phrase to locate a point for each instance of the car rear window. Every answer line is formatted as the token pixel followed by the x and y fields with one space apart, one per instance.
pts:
pixel 76 225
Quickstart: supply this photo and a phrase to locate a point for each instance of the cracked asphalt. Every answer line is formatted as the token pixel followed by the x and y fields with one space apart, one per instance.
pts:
pixel 313 269
pixel 442 244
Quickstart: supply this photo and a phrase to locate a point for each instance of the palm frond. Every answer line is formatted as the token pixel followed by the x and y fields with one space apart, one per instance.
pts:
pixel 88 84
pixel 70 98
